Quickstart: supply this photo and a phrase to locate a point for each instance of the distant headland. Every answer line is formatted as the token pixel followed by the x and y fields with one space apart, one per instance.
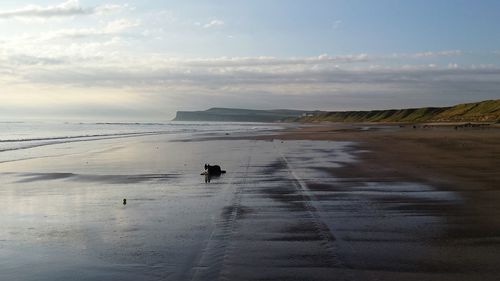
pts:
pixel 485 111
pixel 242 115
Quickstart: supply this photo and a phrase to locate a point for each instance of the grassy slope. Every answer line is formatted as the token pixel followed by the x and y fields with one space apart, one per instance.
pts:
pixel 485 111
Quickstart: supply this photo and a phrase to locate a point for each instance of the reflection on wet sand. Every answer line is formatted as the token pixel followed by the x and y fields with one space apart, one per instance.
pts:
pixel 279 214
pixel 33 177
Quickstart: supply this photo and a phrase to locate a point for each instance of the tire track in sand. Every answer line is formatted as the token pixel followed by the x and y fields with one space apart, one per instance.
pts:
pixel 332 243
pixel 211 260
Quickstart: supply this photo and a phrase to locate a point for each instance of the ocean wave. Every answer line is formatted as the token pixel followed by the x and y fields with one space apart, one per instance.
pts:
pixel 27 135
pixel 81 136
pixel 36 142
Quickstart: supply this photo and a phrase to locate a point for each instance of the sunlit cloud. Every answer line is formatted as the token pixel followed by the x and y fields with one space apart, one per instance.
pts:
pixel 65 9
pixel 272 61
pixel 427 54
pixel 447 53
pixel 156 72
pixel 152 83
pixel 213 23
pixel 111 28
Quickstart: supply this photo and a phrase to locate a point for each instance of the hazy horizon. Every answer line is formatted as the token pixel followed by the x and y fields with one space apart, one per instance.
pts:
pixel 137 60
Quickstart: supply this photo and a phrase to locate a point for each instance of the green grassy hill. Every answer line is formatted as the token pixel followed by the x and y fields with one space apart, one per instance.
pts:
pixel 485 111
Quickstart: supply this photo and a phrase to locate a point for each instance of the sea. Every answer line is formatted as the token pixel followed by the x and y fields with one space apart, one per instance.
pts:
pixel 21 135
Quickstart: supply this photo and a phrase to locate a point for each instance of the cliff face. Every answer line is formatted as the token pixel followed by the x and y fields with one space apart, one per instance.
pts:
pixel 239 115
pixel 485 111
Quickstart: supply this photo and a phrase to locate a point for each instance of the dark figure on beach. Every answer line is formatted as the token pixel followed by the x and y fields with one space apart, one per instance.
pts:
pixel 124 201
pixel 212 171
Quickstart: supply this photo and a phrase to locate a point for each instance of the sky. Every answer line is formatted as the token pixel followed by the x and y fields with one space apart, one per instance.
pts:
pixel 144 60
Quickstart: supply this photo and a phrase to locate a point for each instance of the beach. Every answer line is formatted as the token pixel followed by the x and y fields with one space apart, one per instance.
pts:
pixel 327 202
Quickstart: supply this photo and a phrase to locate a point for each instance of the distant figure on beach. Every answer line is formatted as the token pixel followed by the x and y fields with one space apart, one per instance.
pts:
pixel 124 201
pixel 212 171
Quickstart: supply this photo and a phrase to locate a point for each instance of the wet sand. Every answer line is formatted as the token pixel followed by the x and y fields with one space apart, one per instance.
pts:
pixel 291 209
pixel 462 163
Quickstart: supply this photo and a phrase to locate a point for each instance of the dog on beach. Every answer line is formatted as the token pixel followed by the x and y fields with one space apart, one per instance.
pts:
pixel 212 171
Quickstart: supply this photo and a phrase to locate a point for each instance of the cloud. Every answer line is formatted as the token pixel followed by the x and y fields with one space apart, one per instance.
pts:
pixel 336 24
pixel 120 25
pixel 425 55
pixel 319 82
pixel 90 64
pixel 112 28
pixel 219 74
pixel 65 9
pixel 272 61
pixel 32 60
pixel 108 8
pixel 447 53
pixel 213 23
pixel 18 56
